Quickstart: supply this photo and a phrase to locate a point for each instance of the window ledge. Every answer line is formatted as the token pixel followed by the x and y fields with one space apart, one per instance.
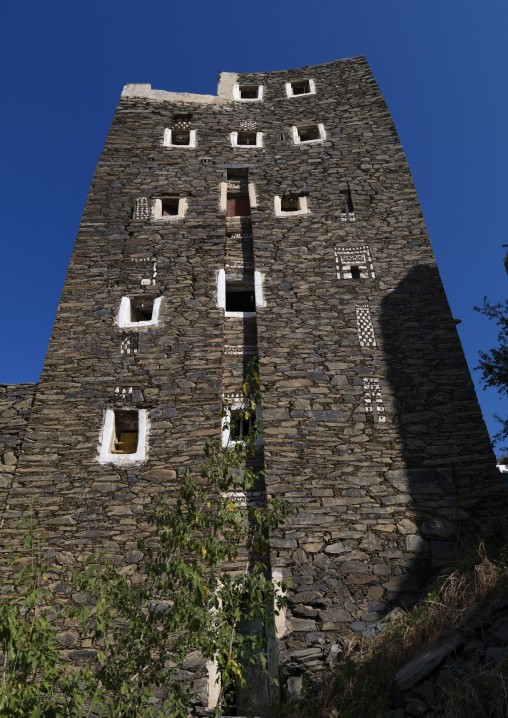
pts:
pixel 309 142
pixel 240 315
pixel 293 213
pixel 125 312
pixel 279 212
pixel 290 93
pixel 106 456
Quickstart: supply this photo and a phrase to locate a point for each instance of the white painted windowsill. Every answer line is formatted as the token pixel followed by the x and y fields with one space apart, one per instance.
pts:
pixel 106 456
pixel 124 314
pixel 240 315
pixel 312 90
pixel 302 204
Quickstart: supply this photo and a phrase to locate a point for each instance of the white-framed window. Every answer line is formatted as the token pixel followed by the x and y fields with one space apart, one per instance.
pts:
pixel 307 134
pixel 237 422
pixel 124 435
pixel 179 138
pixel 289 205
pixel 246 138
pixel 239 298
pixel 247 93
pixel 237 202
pixel 300 88
pixel 138 312
pixel 169 208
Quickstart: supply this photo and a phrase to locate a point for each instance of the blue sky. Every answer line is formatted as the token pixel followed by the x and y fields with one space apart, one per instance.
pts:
pixel 441 66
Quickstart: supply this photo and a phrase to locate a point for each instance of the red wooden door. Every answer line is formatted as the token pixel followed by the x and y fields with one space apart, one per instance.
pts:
pixel 238 207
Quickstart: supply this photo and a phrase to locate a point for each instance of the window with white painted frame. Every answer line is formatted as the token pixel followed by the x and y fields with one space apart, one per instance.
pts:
pixel 169 208
pixel 247 93
pixel 238 421
pixel 240 297
pixel 138 311
pixel 246 138
pixel 175 137
pixel 124 436
pixel 290 204
pixel 307 134
pixel 300 88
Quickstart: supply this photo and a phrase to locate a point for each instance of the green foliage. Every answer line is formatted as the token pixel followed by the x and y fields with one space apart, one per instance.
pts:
pixel 33 680
pixel 204 575
pixel 494 363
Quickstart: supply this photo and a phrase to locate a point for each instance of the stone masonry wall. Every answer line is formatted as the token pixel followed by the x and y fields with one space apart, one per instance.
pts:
pixel 15 407
pixel 370 421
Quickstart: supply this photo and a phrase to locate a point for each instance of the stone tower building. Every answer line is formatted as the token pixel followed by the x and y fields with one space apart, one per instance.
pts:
pixel 277 219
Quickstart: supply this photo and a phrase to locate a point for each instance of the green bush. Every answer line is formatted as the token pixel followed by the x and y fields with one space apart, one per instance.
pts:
pixel 193 597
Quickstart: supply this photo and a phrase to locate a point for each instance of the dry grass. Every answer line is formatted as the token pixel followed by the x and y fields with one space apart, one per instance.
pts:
pixel 454 602
pixel 478 694
pixel 357 686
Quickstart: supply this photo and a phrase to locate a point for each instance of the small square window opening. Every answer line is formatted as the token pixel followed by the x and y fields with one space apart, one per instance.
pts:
pixel 290 203
pixel 124 436
pixel 180 137
pixel 170 207
pixel 249 92
pixel 241 423
pixel 240 297
pixel 301 88
pixel 238 176
pixel 141 309
pixel 309 133
pixel 239 420
pixel 355 272
pixel 126 432
pixel 246 138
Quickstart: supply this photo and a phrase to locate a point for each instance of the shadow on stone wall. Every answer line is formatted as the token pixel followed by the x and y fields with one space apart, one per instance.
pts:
pixel 448 470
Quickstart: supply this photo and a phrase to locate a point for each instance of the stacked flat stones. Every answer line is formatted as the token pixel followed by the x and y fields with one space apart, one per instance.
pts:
pixel 380 489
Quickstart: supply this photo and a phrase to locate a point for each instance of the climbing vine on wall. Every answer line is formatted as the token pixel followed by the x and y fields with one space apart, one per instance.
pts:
pixel 203 575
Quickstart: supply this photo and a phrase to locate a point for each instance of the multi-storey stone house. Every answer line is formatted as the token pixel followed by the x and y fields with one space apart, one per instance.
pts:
pixel 277 219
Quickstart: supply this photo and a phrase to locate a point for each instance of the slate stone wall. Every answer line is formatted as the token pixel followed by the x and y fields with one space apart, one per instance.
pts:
pixel 370 420
pixel 15 406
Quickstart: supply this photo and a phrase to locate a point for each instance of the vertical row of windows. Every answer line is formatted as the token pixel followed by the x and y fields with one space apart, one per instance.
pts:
pixel 240 294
